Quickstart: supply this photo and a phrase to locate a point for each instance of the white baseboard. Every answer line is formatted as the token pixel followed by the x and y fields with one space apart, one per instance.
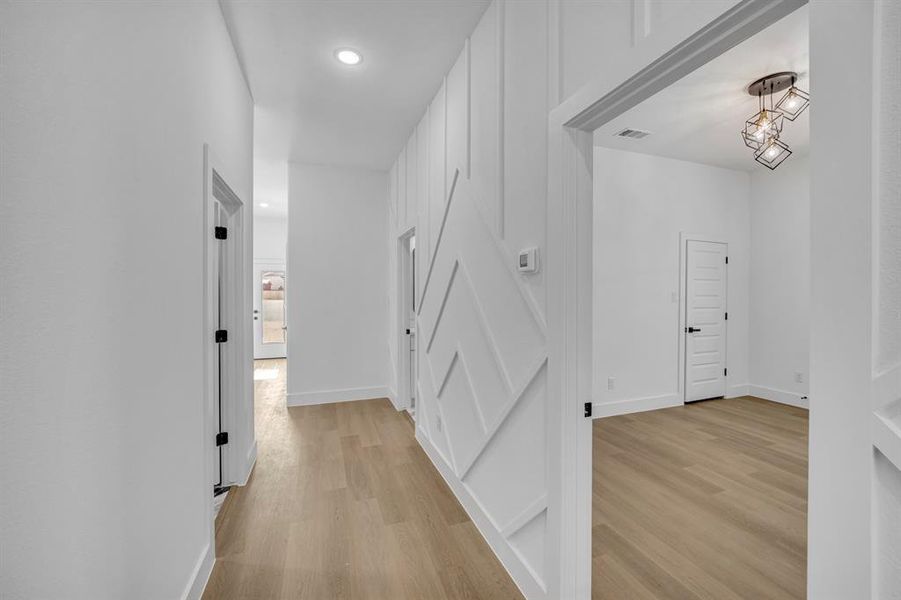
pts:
pixel 780 396
pixel 624 407
pixel 250 463
pixel 201 574
pixel 736 391
pixel 328 396
pixel 392 395
pixel 527 581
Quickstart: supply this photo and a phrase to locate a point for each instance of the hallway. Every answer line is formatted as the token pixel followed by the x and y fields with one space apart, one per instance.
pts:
pixel 343 503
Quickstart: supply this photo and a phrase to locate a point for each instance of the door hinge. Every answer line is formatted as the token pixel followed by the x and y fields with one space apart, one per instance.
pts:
pixel 221 233
pixel 727 316
pixel 727 260
pixel 588 409
pixel 221 438
pixel 221 336
pixel 725 371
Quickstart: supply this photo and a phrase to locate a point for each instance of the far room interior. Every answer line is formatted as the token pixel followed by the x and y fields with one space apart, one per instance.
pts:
pixel 701 268
pixel 270 242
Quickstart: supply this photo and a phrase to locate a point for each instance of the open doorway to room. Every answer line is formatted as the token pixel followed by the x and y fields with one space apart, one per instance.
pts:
pixel 701 275
pixel 270 322
pixel 270 282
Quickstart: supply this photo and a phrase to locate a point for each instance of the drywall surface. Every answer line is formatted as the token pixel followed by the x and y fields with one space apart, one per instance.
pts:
pixel 337 262
pixel 636 32
pixel 780 281
pixel 270 238
pixel 472 182
pixel 641 205
pixel 106 108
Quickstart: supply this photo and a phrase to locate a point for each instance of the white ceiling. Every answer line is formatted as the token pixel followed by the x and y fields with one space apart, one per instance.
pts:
pixel 699 117
pixel 310 108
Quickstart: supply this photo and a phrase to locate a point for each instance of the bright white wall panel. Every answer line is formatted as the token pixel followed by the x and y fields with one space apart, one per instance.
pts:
pixel 437 154
pixel 780 277
pixel 270 237
pixel 457 127
pixel 601 37
pixel 337 261
pixel 524 204
pixel 486 143
pixel 106 108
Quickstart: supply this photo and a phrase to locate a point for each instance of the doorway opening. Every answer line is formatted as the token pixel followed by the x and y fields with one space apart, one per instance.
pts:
pixel 700 448
pixel 226 426
pixel 407 366
pixel 270 323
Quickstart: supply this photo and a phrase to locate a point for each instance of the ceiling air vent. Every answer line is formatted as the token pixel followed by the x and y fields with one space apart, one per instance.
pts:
pixel 633 134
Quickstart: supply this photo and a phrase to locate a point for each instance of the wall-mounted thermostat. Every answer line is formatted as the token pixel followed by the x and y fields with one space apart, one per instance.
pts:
pixel 528 260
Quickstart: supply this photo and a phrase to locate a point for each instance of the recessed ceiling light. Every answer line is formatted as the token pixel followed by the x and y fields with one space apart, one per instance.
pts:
pixel 264 205
pixel 348 56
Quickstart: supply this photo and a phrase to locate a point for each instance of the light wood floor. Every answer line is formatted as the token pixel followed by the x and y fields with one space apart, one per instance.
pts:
pixel 708 500
pixel 344 504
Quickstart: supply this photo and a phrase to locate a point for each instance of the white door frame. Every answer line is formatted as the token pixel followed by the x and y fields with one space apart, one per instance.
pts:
pixel 402 402
pixel 280 265
pixel 684 238
pixel 570 296
pixel 234 316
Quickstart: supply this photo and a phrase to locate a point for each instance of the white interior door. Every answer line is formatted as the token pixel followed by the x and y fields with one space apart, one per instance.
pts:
pixel 270 326
pixel 412 326
pixel 705 320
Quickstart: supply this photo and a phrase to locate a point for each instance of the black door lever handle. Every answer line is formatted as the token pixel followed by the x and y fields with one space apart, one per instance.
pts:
pixel 693 329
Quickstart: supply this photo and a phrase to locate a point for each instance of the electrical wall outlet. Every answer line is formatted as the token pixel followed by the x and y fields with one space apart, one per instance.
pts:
pixel 611 384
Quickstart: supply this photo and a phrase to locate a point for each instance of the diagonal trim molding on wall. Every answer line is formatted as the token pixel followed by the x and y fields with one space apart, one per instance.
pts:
pixel 511 404
pixel 447 205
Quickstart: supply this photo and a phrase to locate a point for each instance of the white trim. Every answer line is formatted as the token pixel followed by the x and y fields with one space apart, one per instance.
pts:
pixel 404 264
pixel 684 238
pixel 887 438
pixel 528 582
pixel 780 396
pixel 234 316
pixel 634 405
pixel 738 390
pixel 339 395
pixel 249 464
pixel 200 575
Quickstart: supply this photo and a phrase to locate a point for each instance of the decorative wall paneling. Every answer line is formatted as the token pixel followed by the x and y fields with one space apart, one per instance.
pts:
pixel 482 353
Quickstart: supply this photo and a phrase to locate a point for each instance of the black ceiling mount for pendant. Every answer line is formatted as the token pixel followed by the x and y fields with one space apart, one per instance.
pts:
pixel 772 84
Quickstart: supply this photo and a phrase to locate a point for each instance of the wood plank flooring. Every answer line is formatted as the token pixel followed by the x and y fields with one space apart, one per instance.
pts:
pixel 343 504
pixel 708 500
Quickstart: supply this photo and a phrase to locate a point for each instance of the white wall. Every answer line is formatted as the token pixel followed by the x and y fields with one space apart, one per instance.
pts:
pixel 641 205
pixel 481 326
pixel 106 108
pixel 270 237
pixel 780 281
pixel 337 262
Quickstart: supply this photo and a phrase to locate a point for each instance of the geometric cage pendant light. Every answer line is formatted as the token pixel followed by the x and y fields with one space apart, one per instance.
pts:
pixel 763 130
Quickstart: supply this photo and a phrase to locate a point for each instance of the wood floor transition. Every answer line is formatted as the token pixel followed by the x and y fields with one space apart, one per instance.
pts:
pixel 703 501
pixel 343 503
pixel 707 500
